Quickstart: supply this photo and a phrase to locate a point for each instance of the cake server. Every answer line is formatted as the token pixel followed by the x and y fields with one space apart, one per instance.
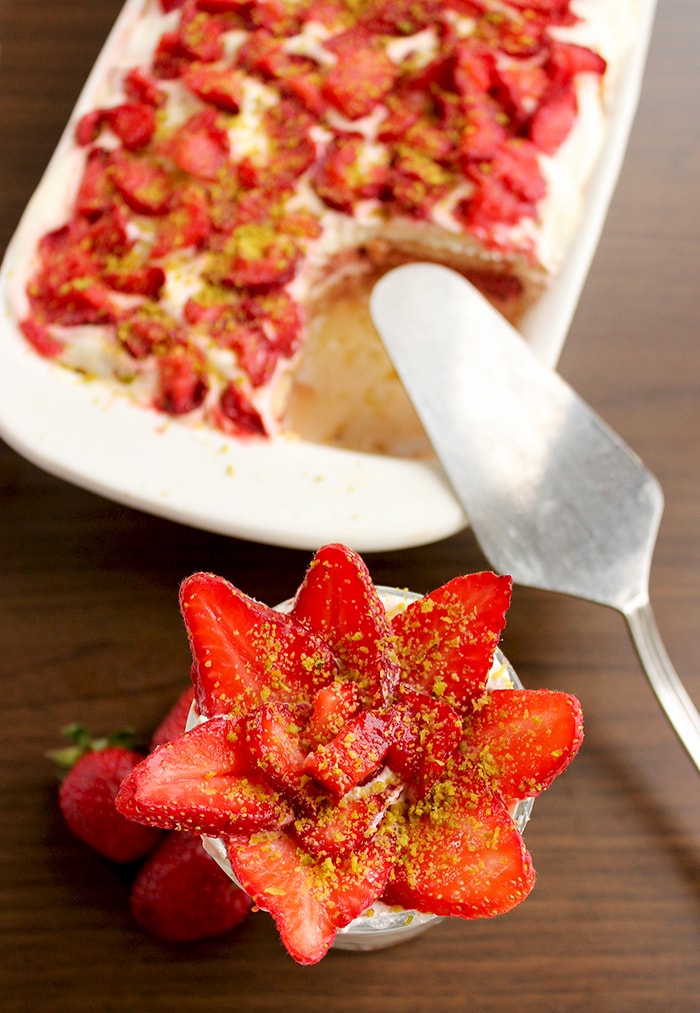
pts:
pixel 554 496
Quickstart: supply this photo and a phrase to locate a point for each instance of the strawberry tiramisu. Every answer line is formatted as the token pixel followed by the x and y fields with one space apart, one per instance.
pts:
pixel 350 756
pixel 251 166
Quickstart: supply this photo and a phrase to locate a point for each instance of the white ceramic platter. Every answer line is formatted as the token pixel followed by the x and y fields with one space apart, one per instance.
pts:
pixel 285 492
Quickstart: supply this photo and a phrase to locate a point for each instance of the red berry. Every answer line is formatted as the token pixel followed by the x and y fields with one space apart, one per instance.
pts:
pixel 181 894
pixel 87 800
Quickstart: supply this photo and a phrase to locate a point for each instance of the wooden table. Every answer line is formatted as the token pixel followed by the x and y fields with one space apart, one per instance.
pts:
pixel 90 631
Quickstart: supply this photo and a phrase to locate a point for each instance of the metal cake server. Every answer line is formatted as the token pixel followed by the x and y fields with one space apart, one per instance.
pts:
pixel 554 496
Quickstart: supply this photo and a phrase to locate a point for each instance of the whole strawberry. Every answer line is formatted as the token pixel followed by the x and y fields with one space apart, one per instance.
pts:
pixel 95 770
pixel 180 894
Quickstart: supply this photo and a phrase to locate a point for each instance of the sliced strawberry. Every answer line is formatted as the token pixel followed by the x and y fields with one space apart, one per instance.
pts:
pixel 341 179
pixel 134 123
pixel 330 13
pixel 293 151
pixel 140 87
pixel 308 901
pixel 66 290
pixel 254 353
pixel 461 853
pixel 405 109
pixel 273 738
pixel 199 34
pixel 96 190
pixel 170 57
pixel 259 327
pixel 337 830
pixel 201 146
pixel 277 16
pixel 246 652
pixel 40 338
pixel 556 11
pixel 270 869
pixel 521 85
pixel 425 734
pixel 351 40
pixel 219 86
pixel 353 755
pixel 107 236
pixel 236 415
pixel 202 781
pixel 491 206
pixel 358 81
pixel 432 141
pixel 279 316
pixel 484 134
pixel 518 36
pixel 182 383
pixel 257 257
pixel 417 181
pixel 360 878
pixel 138 279
pixel 259 52
pixel 307 88
pixel 338 600
pixel 186 224
pixel 88 127
pixel 144 331
pixel 400 17
pixel 524 738
pixel 519 170
pixel 553 119
pixel 222 6
pixel 333 706
pixel 474 71
pixel 567 59
pixel 143 184
pixel 174 722
pixel 454 668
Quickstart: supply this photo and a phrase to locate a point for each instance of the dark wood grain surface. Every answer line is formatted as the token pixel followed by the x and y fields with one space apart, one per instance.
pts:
pixel 89 630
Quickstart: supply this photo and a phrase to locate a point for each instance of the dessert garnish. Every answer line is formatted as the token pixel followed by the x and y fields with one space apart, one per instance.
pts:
pixel 346 754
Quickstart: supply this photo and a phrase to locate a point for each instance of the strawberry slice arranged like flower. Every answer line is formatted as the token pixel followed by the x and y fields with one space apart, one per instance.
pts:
pixel 245 652
pixel 309 900
pixel 203 781
pixel 346 755
pixel 455 667
pixel 338 601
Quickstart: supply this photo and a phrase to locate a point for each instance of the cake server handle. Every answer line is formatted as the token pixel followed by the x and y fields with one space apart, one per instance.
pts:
pixel 669 689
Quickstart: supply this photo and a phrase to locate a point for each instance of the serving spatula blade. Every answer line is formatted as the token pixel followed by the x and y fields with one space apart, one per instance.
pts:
pixel 554 496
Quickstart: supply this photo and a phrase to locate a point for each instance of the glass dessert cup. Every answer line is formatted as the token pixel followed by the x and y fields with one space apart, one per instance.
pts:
pixel 381 926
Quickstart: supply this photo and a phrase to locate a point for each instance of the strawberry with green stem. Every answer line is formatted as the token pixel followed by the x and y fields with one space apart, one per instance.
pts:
pixel 94 771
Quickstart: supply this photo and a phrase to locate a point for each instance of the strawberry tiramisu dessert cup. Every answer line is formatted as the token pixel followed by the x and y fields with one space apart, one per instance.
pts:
pixel 358 753
pixel 381 925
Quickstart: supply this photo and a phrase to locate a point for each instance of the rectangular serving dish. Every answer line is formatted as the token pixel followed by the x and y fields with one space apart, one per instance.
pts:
pixel 285 491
